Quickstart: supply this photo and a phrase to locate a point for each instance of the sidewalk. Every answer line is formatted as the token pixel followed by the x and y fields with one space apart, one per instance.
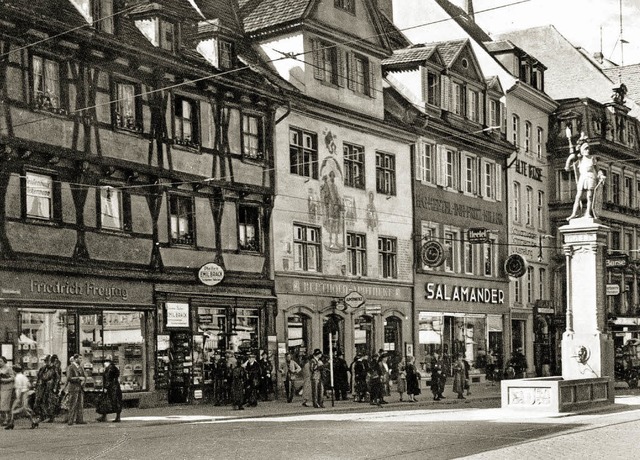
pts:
pixel 480 392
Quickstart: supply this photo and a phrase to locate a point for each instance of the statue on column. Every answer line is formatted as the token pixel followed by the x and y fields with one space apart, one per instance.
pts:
pixel 588 178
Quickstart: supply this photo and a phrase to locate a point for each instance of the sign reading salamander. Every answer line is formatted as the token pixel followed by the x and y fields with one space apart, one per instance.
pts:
pixel 463 293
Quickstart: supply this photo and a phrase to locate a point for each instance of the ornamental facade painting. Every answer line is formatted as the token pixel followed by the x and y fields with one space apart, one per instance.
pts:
pixel 332 196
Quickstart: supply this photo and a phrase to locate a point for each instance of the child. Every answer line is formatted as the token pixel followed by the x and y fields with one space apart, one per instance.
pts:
pixel 22 389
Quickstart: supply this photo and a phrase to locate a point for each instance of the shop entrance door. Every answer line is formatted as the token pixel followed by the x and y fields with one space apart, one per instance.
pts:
pixel 180 367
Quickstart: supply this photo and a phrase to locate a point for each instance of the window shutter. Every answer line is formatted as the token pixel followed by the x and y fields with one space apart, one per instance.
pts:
pixel 315 51
pixel 442 162
pixel 458 172
pixel 498 179
pixel 418 154
pixel 425 84
pixel 463 172
pixel 340 56
pixel 469 105
pixel 374 69
pixel 503 116
pixel 350 71
pixel 481 114
pixel 446 92
pixel 483 177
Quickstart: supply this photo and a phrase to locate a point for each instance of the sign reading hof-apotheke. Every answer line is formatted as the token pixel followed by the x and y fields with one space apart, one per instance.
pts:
pixel 210 274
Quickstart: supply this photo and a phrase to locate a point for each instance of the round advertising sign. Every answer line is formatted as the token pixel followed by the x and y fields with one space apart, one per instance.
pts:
pixel 432 254
pixel 515 266
pixel 210 274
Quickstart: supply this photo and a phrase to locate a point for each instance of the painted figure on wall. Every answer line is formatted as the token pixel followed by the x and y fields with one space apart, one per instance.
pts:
pixel 333 211
pixel 313 204
pixel 372 214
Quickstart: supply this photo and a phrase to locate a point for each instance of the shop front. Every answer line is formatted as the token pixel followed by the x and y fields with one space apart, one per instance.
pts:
pixel 457 319
pixel 199 324
pixel 96 318
pixel 349 317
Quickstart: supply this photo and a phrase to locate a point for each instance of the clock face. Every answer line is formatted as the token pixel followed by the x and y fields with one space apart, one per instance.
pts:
pixel 432 254
pixel 515 266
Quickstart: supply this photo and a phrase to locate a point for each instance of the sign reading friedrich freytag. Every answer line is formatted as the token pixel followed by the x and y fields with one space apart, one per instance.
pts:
pixel 50 288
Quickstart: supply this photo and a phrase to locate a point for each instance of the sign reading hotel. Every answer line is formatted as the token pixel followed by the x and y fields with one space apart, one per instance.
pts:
pixel 445 292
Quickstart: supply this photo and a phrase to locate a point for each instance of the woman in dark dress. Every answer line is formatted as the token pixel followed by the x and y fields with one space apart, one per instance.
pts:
pixel 46 397
pixel 413 379
pixel 238 385
pixel 112 393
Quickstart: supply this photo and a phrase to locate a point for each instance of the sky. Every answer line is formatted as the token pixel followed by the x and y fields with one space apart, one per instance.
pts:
pixel 578 20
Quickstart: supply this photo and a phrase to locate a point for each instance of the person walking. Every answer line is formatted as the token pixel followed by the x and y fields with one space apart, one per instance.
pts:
pixel 76 379
pixel 254 372
pixel 48 380
pixel 22 389
pixel 266 371
pixel 360 372
pixel 112 393
pixel 437 382
pixel 289 369
pixel 238 385
pixel 413 379
pixel 459 377
pixel 316 367
pixel 307 389
pixel 340 377
pixel 7 378
pixel 401 383
pixel 383 374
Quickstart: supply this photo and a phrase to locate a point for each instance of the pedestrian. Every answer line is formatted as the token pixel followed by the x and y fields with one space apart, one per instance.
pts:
pixel 384 374
pixel 359 372
pixel 375 390
pixel 238 385
pixel 307 389
pixel 266 371
pixel 340 377
pixel 459 377
pixel 46 398
pixel 316 367
pixel 401 382
pixel 467 381
pixel 22 389
pixel 413 379
pixel 7 378
pixel 289 369
pixel 254 372
pixel 76 379
pixel 437 382
pixel 112 393
pixel 218 380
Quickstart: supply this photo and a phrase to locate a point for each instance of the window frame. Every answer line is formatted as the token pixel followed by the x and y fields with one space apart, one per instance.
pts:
pixel 540 142
pixel 530 284
pixel 55 204
pixel 517 200
pixel 179 122
pixel 356 254
pixel 305 243
pixel 39 99
pixel 242 211
pixel 489 269
pixel 118 121
pixel 452 254
pixel 225 54
pixel 354 160
pixel 432 88
pixel 426 164
pixel 529 206
pixel 124 204
pixel 386 175
pixel 361 74
pixel 191 219
pixel 302 152
pixel 258 137
pixel 527 136
pixel 471 174
pixel 165 43
pixel 541 208
pixel 515 130
pixel 451 169
pixel 387 258
pixel 325 61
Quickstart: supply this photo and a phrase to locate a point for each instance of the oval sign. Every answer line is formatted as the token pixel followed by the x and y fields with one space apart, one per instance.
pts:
pixel 515 266
pixel 432 254
pixel 210 274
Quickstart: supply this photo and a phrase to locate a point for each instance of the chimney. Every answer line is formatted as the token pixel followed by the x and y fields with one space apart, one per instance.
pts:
pixel 469 10
pixel 386 6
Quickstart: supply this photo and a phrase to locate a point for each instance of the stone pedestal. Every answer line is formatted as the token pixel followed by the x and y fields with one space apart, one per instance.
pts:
pixel 587 347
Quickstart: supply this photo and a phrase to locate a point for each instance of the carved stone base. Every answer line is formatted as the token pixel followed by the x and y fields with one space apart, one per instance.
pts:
pixel 587 355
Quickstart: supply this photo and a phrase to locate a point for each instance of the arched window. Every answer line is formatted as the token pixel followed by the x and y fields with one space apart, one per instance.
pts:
pixel 363 335
pixel 298 334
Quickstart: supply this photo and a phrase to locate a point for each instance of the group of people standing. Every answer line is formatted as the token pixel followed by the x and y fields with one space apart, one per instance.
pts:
pixel 45 400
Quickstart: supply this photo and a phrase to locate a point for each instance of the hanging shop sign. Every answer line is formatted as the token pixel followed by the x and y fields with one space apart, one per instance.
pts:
pixel 613 289
pixel 477 235
pixel 373 309
pixel 432 254
pixel 617 261
pixel 354 300
pixel 210 274
pixel 515 266
pixel 177 314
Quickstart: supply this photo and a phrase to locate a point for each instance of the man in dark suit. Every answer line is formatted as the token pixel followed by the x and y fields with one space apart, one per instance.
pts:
pixel 76 379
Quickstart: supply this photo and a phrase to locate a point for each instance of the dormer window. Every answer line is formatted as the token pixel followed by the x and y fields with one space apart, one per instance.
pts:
pixel 225 54
pixel 103 18
pixel 346 5
pixel 432 88
pixel 167 35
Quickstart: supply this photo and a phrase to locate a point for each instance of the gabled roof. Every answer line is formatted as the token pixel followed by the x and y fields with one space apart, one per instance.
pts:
pixel 450 50
pixel 263 14
pixel 629 75
pixel 223 11
pixel 397 39
pixel 464 20
pixel 416 54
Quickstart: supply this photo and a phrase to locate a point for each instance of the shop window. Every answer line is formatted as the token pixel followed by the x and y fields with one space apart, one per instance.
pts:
pixel 357 254
pixel 387 258
pixel 306 248
pixel 298 334
pixel 46 81
pixel 354 172
pixel 185 116
pixel 42 333
pixel 362 335
pixel 127 108
pixel 212 324
pixel 115 212
pixel 249 228
pixel 385 173
pixel 393 335
pixel 430 330
pixel 252 137
pixel 247 331
pixel 181 220
pixel 41 196
pixel 303 153
pixel 489 258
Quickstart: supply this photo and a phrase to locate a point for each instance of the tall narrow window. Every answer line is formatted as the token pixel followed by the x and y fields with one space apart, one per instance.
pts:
pixel 111 211
pixel 474 106
pixel 303 153
pixel 539 143
pixel 494 113
pixel 361 74
pixel 387 254
pixel 46 83
pixel 529 284
pixel 167 35
pixel 470 174
pixel 615 188
pixel 451 169
pixel 628 191
pixel 517 197
pixel 325 61
pixel 249 228
pixel 125 108
pixel 39 196
pixel 490 181
pixel 225 54
pixel 489 258
pixel 517 290
pixel 515 131
pixel 542 279
pixel 529 207
pixel 433 88
pixel 353 165
pixel 181 221
pixel 357 254
pixel 425 163
pixel 469 260
pixel 252 137
pixel 457 89
pixel 541 207
pixel 385 173
pixel 306 248
pixel 527 137
pixel 450 251
pixel 186 122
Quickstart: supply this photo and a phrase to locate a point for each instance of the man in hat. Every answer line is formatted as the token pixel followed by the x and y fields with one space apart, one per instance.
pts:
pixel 590 177
pixel 316 367
pixel 266 382
pixel 76 379
pixel 289 369
pixel 254 373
